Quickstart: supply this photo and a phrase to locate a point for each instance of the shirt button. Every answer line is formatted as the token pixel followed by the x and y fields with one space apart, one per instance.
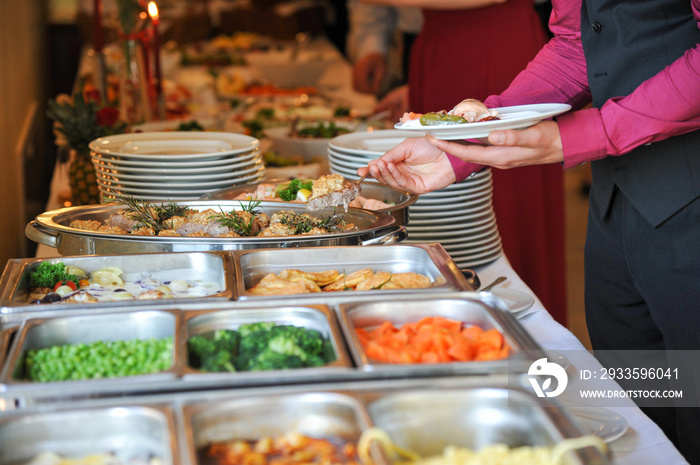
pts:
pixel 597 27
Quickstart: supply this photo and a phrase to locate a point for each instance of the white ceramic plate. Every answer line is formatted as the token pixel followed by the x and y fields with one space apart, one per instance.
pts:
pixel 458 228
pixel 455 238
pixel 179 163
pixel 516 300
pixel 162 179
pixel 178 169
pixel 472 199
pixel 173 146
pixel 598 421
pixel 515 117
pixel 370 144
pixel 455 208
pixel 428 220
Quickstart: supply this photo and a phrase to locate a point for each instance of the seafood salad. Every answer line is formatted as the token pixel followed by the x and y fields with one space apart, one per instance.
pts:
pixel 467 111
pixel 57 283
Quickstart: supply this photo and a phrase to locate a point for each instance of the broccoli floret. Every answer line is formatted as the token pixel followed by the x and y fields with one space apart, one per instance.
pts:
pixel 215 353
pixel 246 329
pixel 273 360
pixel 266 346
pixel 47 274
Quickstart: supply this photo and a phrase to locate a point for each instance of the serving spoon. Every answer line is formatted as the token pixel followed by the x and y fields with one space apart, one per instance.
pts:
pixel 495 283
pixel 336 198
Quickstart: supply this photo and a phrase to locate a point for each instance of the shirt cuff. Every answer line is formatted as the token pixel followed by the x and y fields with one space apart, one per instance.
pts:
pixel 463 168
pixel 583 137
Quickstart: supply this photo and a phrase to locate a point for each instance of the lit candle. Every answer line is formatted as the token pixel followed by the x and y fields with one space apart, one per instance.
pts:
pixel 155 20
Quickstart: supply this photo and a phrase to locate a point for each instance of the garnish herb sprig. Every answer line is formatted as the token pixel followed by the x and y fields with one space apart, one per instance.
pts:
pixel 150 215
pixel 237 222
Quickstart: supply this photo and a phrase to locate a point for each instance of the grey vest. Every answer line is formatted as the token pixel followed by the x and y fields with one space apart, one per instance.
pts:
pixel 626 43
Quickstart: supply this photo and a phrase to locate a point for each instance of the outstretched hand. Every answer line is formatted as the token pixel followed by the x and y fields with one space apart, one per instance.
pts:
pixel 414 165
pixel 536 145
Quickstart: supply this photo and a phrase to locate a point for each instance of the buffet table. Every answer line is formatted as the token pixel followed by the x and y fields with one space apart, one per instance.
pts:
pixel 643 442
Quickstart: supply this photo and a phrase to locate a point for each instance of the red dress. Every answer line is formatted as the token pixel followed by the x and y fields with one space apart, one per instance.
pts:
pixel 473 54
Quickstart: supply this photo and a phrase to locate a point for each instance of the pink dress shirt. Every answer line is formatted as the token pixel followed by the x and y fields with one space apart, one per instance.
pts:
pixel 664 106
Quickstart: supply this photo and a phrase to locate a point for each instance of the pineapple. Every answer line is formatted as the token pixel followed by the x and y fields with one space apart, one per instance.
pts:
pixel 83 180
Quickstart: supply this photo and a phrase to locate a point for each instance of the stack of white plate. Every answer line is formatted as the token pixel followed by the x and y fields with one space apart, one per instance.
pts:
pixel 460 216
pixel 174 165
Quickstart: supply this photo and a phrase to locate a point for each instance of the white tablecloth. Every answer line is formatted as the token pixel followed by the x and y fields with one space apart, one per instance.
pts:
pixel 643 443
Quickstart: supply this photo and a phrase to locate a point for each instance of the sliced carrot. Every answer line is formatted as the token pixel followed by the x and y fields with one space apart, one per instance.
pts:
pixel 463 350
pixel 453 326
pixel 491 339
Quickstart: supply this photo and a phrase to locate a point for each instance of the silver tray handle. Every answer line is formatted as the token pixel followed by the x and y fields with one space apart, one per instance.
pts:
pixel 40 234
pixel 389 235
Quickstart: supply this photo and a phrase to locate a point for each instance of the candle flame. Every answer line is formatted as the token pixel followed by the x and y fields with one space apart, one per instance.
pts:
pixel 153 10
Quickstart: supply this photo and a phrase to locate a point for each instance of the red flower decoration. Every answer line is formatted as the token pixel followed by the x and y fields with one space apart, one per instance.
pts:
pixel 107 116
pixel 92 95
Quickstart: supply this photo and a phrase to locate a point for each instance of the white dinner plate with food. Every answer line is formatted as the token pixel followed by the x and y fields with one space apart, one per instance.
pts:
pixel 598 421
pixel 515 117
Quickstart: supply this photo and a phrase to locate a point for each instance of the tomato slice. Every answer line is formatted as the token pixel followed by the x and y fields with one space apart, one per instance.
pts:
pixel 70 284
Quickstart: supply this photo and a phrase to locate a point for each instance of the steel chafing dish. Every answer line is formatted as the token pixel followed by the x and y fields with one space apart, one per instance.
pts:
pixel 211 267
pixel 53 229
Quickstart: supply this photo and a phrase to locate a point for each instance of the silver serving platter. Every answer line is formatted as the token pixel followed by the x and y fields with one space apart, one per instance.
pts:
pixel 420 414
pixel 400 199
pixel 216 267
pixel 131 432
pixel 53 229
pixel 430 260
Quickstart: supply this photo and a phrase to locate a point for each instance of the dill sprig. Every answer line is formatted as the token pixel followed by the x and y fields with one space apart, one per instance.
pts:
pixel 237 222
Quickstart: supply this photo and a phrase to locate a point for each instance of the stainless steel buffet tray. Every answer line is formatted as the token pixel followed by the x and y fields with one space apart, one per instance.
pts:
pixel 40 333
pixel 430 260
pixel 418 414
pixel 130 432
pixel 53 229
pixel 199 318
pixel 216 267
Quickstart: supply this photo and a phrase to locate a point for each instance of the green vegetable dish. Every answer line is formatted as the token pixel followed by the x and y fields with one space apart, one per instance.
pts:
pixel 259 346
pixel 47 274
pixel 101 359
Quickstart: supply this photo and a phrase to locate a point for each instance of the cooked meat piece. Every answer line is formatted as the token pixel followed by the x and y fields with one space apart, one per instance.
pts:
pixel 169 233
pixel 88 225
pixel 215 229
pixel 148 231
pixel 121 221
pixel 260 222
pixel 154 294
pixel 112 230
pixel 278 229
pixel 198 234
pixel 472 110
pixel 203 217
pixel 192 227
